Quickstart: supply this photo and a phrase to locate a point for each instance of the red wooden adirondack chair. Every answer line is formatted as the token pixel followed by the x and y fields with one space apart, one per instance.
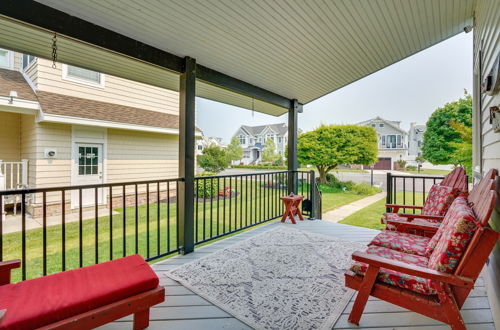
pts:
pixel 415 223
pixel 437 285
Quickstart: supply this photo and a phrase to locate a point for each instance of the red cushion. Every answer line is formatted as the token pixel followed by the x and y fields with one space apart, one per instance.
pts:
pixel 439 200
pixel 45 300
pixel 403 242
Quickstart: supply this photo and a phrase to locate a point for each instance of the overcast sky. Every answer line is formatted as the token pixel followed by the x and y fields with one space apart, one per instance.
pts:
pixel 407 91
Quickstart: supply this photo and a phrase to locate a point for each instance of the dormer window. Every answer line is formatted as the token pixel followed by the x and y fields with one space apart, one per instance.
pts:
pixel 381 125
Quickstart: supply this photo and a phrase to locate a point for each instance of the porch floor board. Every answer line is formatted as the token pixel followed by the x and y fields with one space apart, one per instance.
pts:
pixel 184 310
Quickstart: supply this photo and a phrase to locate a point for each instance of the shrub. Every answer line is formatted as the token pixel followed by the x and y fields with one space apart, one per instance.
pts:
pixel 365 189
pixel 411 168
pixel 402 164
pixel 206 188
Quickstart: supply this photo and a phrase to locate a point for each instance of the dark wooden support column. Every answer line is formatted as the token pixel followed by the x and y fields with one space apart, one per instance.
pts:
pixel 293 164
pixel 185 194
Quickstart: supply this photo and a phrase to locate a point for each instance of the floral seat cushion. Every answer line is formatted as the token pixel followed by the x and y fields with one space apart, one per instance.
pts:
pixel 403 242
pixel 452 237
pixel 391 277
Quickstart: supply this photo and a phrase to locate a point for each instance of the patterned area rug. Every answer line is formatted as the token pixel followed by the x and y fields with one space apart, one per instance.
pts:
pixel 283 278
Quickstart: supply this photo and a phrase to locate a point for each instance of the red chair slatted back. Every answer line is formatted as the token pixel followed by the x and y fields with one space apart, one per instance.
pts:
pixel 452 176
pixel 487 183
pixel 456 179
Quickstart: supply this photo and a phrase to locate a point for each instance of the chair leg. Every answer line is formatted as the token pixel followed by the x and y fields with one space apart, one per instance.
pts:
pixel 141 319
pixel 363 293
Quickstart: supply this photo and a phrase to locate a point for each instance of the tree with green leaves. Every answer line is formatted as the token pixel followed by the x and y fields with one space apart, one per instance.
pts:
pixel 442 139
pixel 463 149
pixel 213 159
pixel 269 154
pixel 234 150
pixel 331 145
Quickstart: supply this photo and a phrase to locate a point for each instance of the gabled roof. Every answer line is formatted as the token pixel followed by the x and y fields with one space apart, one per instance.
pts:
pixel 280 129
pixel 392 123
pixel 11 80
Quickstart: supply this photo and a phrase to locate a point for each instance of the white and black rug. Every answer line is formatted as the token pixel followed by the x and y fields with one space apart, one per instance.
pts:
pixel 284 278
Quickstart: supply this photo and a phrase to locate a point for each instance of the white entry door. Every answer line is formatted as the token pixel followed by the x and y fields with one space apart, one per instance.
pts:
pixel 87 171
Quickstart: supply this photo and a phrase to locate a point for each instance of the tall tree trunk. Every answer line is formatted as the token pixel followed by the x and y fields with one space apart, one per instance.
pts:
pixel 322 174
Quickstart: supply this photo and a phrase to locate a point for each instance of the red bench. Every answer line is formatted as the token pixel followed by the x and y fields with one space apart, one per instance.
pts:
pixel 81 298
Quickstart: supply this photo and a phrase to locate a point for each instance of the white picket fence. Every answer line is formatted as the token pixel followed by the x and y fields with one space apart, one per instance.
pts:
pixel 13 175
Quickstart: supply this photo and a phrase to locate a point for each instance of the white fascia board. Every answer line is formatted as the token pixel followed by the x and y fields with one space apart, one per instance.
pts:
pixel 19 105
pixel 109 124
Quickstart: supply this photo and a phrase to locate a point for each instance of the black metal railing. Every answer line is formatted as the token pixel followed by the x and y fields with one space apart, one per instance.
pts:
pixel 63 228
pixel 409 189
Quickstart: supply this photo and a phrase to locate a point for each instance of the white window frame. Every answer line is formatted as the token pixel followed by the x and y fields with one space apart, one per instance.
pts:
pixel 65 76
pixel 30 64
pixel 242 138
pixel 10 59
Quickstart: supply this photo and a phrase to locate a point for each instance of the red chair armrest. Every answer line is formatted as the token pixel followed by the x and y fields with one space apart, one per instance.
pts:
pixel 395 207
pixel 10 264
pixel 402 225
pixel 5 268
pixel 422 216
pixel 409 269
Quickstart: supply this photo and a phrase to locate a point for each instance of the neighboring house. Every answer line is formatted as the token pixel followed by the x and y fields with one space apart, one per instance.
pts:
pixel 74 126
pixel 393 142
pixel 253 139
pixel 205 141
pixel 415 141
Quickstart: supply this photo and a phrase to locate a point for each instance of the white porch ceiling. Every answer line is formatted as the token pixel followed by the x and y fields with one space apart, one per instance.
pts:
pixel 296 48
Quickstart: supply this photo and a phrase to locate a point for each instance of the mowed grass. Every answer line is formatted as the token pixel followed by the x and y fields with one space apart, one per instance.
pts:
pixel 334 197
pixel 149 236
pixel 369 217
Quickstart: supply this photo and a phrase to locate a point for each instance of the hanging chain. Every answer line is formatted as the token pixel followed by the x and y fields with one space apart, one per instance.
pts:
pixel 253 106
pixel 54 50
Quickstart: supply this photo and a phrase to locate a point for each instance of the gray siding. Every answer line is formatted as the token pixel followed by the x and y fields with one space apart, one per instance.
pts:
pixel 486 142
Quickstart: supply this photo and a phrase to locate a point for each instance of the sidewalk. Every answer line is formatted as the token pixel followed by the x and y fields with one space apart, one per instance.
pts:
pixel 346 210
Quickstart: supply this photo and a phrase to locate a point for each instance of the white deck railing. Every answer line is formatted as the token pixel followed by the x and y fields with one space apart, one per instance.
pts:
pixel 13 175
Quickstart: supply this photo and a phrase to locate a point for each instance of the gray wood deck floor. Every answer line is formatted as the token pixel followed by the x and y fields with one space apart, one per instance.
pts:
pixel 184 310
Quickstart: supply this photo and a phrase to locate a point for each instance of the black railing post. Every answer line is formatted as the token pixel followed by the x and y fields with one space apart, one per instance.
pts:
pixel 388 199
pixel 185 193
pixel 312 188
pixel 293 164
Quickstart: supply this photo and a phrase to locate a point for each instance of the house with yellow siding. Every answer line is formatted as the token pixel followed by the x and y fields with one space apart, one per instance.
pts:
pixel 62 125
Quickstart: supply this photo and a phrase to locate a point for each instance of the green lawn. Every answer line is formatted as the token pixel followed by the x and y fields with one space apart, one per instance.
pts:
pixel 369 217
pixel 428 172
pixel 336 170
pixel 333 198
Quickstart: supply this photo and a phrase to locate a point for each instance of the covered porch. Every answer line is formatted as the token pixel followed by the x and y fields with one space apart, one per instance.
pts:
pixel 276 57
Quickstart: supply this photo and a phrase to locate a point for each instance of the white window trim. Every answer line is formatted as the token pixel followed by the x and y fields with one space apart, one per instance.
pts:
pixel 10 55
pixel 65 76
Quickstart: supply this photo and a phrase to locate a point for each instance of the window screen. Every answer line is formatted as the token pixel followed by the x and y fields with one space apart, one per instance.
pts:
pixel 88 160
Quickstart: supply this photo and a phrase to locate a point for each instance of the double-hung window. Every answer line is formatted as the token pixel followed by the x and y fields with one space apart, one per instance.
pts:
pixel 242 139
pixel 83 76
